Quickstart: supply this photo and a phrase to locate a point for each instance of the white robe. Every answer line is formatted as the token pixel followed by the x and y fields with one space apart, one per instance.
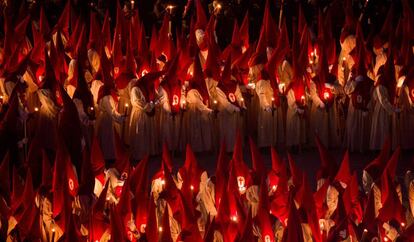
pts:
pixel 198 122
pixel 270 121
pixel 381 118
pixel 105 126
pixel 295 122
pixel 142 127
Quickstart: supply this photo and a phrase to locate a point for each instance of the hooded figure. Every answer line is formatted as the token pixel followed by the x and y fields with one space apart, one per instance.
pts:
pixel 108 115
pixel 384 105
pixel 359 89
pixel 228 101
pixel 142 126
pixel 198 112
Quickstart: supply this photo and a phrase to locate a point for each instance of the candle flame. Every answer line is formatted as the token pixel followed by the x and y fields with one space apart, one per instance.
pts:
pixel 326 95
pixel 160 229
pixel 234 218
pixel 126 105
pixel 215 101
pixel 192 187
pixel 36 109
pixel 162 182
pixel 403 224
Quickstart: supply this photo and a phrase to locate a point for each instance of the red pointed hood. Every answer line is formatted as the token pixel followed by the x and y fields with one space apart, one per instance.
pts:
pixel 165 45
pixel 295 172
pixel 172 85
pixel 166 157
pixel 44 24
pixel 222 171
pixel 154 39
pixel 350 20
pixel 197 81
pixel 391 167
pixel 62 25
pixel 328 167
pixel 151 230
pixel 191 171
pixel 376 166
pixel 263 216
pixel 140 187
pixel 392 208
pixel 387 28
pixel 240 67
pixel 351 200
pixel 164 229
pixel 257 160
pixel 302 23
pixel 244 31
pixel 212 67
pixel 106 34
pixel 117 227
pixel 227 84
pixel 344 172
pixel 95 34
pixel 293 231
pixel 259 57
pixel 201 16
pixel 99 223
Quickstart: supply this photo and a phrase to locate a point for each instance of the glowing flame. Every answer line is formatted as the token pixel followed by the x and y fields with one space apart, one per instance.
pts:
pixel 162 182
pixel 326 95
pixel 215 101
pixel 192 187
pixel 36 109
pixel 274 188
pixel 234 218
pixel 160 229
pixel 144 72
pixel 403 224
pixel 365 231
pixel 91 108
pixel 126 105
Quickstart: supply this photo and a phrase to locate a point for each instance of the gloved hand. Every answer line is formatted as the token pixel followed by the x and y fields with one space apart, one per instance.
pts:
pixel 322 105
pixel 300 111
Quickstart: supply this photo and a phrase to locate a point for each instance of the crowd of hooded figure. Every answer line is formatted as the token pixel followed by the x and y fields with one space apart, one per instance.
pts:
pixel 77 95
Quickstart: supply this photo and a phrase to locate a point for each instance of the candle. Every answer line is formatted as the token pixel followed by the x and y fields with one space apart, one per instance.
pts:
pixel 126 109
pixel 132 4
pixel 36 109
pixel 192 187
pixel 160 229
pixel 91 108
pixel 53 234
pixel 274 188
pixel 234 218
pixel 303 99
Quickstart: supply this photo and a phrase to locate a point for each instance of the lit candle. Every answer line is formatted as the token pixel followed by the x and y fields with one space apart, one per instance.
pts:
pixel 274 188
pixel 53 234
pixel 344 58
pixel 126 109
pixel 160 229
pixel 326 95
pixel 132 4
pixel 192 187
pixel 303 99
pixel 234 218
pixel 36 109
pixel 163 182
pixel 91 108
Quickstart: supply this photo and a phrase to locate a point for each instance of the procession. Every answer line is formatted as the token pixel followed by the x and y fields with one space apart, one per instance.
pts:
pixel 200 120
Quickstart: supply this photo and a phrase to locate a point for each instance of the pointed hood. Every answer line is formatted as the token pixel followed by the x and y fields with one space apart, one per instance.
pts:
pixel 197 81
pixel 191 171
pixel 227 84
pixel 244 31
pixel 328 167
pixel 201 16
pixel 350 21
pixel 344 172
pixel 293 230
pixel 95 34
pixel 62 25
pixel 257 160
pixel 295 173
pixel 376 166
